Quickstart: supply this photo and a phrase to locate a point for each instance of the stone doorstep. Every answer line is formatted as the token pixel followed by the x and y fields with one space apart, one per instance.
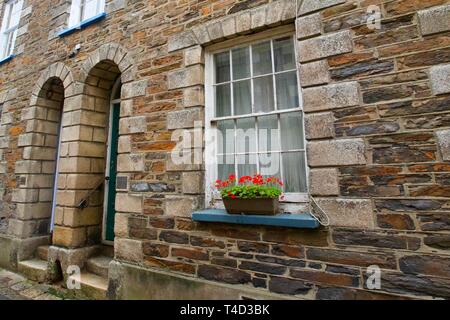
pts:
pixel 99 265
pixel 42 252
pixel 92 286
pixel 35 269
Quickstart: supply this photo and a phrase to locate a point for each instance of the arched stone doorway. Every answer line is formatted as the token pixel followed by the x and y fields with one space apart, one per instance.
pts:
pixel 34 196
pixel 88 147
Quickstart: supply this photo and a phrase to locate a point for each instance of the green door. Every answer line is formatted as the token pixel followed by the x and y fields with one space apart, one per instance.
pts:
pixel 111 182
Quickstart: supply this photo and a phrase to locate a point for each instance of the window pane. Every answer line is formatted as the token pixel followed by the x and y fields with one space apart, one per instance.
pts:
pixel 225 139
pixel 242 97
pixel 287 90
pixel 284 54
pixel 241 63
pixel 294 172
pixel 15 16
pixel 262 58
pixel 223 100
pixel 291 131
pixel 245 135
pixel 6 14
pixel 268 133
pixel 90 9
pixel 225 166
pixel 263 93
pixel 247 164
pixel 269 165
pixel 222 63
pixel 75 13
pixel 11 42
pixel 3 44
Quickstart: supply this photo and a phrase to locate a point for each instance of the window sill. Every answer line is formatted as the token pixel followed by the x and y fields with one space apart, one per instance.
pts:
pixel 8 58
pixel 84 24
pixel 299 221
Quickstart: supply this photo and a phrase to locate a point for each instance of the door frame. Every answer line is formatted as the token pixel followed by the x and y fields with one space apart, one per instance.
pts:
pixel 56 176
pixel 116 86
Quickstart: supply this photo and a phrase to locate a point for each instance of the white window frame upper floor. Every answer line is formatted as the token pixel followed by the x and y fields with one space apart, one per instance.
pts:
pixel 9 27
pixel 79 11
pixel 212 196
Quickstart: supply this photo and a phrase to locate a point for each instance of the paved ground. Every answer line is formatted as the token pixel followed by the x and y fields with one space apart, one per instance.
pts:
pixel 16 287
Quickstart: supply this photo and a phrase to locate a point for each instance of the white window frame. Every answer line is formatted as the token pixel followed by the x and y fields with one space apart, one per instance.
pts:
pixel 8 33
pixel 212 196
pixel 77 11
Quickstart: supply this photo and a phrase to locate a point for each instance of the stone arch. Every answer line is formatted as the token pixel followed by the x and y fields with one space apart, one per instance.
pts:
pixel 114 53
pixel 36 171
pixel 84 140
pixel 57 70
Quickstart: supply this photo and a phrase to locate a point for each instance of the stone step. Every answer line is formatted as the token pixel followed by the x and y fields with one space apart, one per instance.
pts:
pixel 107 251
pixel 99 265
pixel 92 286
pixel 35 269
pixel 42 252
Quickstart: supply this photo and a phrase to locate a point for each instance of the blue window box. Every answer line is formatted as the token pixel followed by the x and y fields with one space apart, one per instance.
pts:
pixel 84 24
pixel 299 221
pixel 8 58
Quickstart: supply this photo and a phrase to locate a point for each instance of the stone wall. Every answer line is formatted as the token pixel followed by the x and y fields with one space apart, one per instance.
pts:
pixel 377 105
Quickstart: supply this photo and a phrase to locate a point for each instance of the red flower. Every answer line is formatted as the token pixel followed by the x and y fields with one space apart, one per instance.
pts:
pixel 233 197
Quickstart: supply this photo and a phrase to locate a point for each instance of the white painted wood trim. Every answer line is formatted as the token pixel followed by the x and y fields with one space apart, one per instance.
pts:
pixel 212 195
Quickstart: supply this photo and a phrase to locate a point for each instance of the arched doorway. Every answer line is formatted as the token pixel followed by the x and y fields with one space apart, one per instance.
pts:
pixel 84 166
pixel 36 172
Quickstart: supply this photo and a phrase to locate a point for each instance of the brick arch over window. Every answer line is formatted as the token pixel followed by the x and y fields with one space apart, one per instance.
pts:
pixel 36 170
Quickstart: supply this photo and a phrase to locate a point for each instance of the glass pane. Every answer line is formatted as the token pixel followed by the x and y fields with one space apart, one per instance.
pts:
pixel 15 15
pixel 263 94
pixel 6 14
pixel 75 13
pixel 222 63
pixel 294 172
pixel 225 166
pixel 90 9
pixel 245 135
pixel 268 133
pixel 223 100
pixel 287 90
pixel 262 58
pixel 269 165
pixel 291 131
pixel 242 98
pixel 225 138
pixel 284 54
pixel 247 165
pixel 241 63
pixel 12 42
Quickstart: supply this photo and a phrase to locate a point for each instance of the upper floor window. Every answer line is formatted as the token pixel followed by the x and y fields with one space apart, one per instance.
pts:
pixel 10 24
pixel 254 108
pixel 82 10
